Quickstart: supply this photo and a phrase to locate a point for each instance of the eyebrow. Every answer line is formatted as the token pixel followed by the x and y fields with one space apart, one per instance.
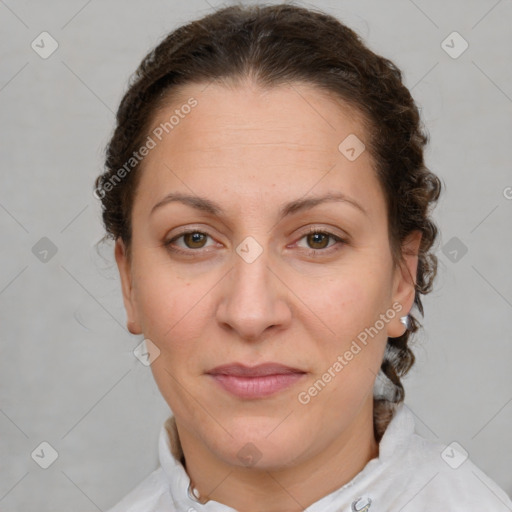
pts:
pixel 208 206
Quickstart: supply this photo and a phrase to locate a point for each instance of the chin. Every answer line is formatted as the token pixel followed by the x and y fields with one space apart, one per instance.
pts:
pixel 265 443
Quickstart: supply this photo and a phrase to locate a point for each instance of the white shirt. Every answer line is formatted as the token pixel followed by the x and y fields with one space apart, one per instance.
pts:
pixel 410 474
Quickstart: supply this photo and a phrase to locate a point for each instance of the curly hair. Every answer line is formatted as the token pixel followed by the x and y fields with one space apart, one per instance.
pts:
pixel 282 44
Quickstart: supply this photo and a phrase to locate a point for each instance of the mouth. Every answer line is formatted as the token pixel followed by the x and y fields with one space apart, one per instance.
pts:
pixel 253 382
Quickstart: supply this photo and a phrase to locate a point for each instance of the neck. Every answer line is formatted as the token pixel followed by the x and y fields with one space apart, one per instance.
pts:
pixel 290 489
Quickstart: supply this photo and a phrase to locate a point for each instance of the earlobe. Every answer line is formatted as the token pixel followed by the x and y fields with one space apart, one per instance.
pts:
pixel 124 267
pixel 404 287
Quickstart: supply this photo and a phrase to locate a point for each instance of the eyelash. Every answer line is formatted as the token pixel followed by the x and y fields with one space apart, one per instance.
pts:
pixel 310 252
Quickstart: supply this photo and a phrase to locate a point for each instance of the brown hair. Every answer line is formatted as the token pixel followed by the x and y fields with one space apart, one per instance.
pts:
pixel 281 44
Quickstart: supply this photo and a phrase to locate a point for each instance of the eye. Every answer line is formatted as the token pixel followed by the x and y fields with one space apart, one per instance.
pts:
pixel 321 241
pixel 191 239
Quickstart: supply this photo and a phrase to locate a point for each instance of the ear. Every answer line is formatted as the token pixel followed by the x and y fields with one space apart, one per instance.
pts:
pixel 125 273
pixel 404 282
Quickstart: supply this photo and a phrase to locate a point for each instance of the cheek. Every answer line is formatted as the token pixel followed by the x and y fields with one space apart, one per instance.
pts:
pixel 348 304
pixel 349 359
pixel 173 315
pixel 353 350
pixel 170 308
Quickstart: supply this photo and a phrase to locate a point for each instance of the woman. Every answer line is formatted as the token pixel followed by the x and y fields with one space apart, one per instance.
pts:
pixel 266 191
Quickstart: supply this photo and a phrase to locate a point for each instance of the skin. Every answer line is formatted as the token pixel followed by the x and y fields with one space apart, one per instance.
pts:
pixel 252 150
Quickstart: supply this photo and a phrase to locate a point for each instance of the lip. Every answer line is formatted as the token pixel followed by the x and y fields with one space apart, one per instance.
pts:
pixel 253 382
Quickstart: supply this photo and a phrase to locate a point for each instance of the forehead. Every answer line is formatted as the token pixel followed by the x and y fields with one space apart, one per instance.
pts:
pixel 248 139
pixel 305 114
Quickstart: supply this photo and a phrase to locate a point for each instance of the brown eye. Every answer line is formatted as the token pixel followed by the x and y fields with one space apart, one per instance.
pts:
pixel 194 240
pixel 318 240
pixel 189 242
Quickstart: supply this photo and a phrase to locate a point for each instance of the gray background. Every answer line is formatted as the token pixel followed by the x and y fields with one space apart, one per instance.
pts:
pixel 67 372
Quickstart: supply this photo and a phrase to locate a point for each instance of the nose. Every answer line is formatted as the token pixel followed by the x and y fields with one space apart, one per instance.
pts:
pixel 254 299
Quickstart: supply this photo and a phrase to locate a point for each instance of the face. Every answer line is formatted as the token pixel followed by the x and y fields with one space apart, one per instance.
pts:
pixel 285 262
